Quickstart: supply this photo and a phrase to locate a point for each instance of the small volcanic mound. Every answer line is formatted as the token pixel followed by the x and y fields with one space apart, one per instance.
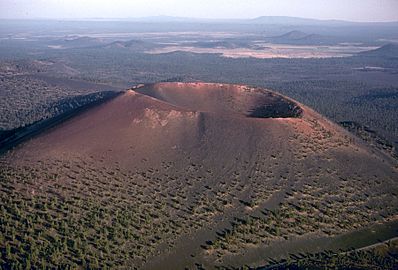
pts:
pixel 178 175
pixel 223 99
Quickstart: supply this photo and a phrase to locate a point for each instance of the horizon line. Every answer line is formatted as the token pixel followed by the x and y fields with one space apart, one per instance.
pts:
pixel 188 18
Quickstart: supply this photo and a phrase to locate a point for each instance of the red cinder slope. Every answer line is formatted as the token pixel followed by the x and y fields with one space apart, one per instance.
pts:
pixel 175 175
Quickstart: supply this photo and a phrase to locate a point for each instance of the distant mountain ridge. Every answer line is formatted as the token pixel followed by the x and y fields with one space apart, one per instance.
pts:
pixel 258 20
pixel 295 20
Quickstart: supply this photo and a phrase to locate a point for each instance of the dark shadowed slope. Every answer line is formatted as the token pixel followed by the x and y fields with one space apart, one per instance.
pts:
pixel 389 50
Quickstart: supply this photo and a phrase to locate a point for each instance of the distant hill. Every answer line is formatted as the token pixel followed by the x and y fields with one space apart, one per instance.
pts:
pixel 134 44
pixel 301 38
pixel 293 35
pixel 388 50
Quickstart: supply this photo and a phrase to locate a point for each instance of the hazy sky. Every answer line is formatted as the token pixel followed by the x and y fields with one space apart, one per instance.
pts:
pixel 354 10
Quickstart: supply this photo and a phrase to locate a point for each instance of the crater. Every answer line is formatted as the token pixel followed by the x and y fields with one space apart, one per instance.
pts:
pixel 237 100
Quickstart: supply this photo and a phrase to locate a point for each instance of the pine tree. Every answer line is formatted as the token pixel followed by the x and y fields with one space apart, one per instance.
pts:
pixel 8 251
pixel 28 266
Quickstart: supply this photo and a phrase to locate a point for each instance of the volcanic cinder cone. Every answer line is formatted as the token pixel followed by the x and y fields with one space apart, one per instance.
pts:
pixel 169 175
